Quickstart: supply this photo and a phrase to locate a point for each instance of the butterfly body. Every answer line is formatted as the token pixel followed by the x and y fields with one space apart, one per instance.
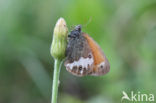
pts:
pixel 84 56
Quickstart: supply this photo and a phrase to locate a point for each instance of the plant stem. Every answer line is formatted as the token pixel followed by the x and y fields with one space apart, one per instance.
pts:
pixel 56 74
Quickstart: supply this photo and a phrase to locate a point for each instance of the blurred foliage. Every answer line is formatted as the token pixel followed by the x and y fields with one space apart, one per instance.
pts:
pixel 125 30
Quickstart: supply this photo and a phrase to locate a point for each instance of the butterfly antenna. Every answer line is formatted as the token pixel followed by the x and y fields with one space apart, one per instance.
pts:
pixel 90 19
pixel 72 27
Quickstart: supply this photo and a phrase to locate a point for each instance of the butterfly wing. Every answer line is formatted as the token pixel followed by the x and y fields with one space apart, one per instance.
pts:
pixel 79 58
pixel 101 64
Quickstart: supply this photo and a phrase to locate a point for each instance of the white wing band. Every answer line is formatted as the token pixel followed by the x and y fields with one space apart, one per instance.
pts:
pixel 84 62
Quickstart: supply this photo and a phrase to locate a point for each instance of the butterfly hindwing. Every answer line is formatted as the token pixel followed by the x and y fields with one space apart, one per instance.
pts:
pixel 101 64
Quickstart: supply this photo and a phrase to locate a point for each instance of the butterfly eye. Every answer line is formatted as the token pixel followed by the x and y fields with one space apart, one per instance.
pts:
pixel 78 28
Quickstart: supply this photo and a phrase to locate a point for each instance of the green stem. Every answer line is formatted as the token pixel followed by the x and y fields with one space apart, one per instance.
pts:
pixel 57 69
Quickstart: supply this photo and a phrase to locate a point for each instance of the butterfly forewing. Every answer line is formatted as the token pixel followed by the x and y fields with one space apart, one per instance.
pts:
pixel 79 61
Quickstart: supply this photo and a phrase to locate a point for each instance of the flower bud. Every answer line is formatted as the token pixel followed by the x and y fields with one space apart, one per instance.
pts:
pixel 59 42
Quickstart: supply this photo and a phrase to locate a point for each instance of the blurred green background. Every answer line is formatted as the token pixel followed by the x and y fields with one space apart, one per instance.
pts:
pixel 125 30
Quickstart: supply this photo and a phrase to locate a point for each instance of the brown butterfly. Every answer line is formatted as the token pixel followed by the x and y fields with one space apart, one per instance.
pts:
pixel 84 56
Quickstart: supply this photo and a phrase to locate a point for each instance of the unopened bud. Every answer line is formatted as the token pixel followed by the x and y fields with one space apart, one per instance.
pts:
pixel 59 42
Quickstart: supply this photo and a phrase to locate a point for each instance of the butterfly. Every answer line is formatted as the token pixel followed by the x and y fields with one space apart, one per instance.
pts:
pixel 84 56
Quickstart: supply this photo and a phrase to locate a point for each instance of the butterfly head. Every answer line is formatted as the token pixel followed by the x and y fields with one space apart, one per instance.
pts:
pixel 76 32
